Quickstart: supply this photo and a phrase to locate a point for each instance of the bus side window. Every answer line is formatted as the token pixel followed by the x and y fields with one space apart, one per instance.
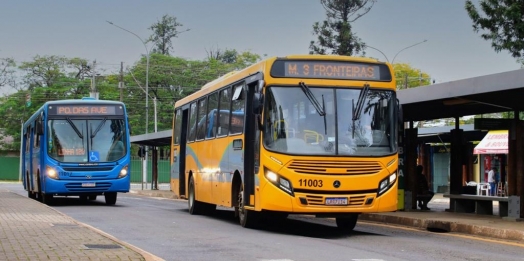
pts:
pixel 201 125
pixel 192 122
pixel 212 114
pixel 237 111
pixel 178 127
pixel 224 109
pixel 27 139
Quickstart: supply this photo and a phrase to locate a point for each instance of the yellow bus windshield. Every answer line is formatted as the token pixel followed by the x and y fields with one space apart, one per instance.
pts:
pixel 293 125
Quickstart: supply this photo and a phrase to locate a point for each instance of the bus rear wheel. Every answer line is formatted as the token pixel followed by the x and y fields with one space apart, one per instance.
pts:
pixel 196 207
pixel 110 198
pixel 348 223
pixel 247 218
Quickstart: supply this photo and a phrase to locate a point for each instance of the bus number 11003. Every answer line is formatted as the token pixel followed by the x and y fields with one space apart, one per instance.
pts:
pixel 316 183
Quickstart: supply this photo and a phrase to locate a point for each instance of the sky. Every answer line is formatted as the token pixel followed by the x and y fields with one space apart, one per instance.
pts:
pixel 70 28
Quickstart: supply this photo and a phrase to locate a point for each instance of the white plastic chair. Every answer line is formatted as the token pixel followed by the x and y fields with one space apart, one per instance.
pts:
pixel 483 189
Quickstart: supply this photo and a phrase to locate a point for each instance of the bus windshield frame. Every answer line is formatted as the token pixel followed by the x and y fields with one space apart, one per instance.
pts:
pixel 86 139
pixel 293 125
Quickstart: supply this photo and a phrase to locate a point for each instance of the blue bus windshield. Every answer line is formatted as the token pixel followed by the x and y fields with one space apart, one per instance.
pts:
pixel 93 140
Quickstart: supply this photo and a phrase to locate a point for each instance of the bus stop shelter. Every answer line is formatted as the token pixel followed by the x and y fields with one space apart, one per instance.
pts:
pixel 494 93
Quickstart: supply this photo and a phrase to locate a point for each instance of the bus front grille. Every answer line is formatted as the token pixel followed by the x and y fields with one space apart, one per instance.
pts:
pixel 314 200
pixel 77 186
pixel 335 167
pixel 84 169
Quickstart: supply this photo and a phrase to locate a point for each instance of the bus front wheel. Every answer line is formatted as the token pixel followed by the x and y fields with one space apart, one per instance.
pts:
pixel 110 198
pixel 247 218
pixel 347 224
pixel 47 199
pixel 30 193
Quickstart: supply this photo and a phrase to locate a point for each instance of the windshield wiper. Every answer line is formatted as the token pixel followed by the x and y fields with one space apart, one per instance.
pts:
pixel 93 134
pixel 357 110
pixel 312 99
pixel 319 108
pixel 74 128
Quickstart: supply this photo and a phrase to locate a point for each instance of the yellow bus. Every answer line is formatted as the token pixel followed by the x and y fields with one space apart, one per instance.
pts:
pixel 301 134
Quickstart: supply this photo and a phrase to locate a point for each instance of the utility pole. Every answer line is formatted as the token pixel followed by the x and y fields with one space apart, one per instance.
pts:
pixel 121 83
pixel 405 81
pixel 94 93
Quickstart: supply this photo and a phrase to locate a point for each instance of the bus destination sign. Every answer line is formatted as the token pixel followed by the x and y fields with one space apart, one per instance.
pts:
pixel 330 70
pixel 84 110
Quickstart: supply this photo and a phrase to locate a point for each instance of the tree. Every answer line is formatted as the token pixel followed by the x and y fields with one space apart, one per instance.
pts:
pixel 45 78
pixel 503 23
pixel 7 72
pixel 163 32
pixel 226 56
pixel 409 77
pixel 334 35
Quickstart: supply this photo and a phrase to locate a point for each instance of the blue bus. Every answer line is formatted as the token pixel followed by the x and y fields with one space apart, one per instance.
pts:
pixel 76 148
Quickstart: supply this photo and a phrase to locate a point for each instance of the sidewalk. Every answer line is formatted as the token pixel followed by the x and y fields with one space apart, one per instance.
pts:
pixel 30 230
pixel 436 219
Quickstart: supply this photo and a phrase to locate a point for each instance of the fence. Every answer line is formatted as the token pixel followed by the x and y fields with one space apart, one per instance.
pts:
pixel 11 169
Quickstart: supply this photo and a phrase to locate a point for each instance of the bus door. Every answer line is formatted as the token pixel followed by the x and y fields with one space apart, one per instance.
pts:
pixel 252 90
pixel 179 153
pixel 26 159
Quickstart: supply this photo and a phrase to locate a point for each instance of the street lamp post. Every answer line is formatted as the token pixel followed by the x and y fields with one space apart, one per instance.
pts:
pixel 393 61
pixel 144 178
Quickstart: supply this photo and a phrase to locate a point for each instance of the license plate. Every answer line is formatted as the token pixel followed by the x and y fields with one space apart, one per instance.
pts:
pixel 336 201
pixel 89 184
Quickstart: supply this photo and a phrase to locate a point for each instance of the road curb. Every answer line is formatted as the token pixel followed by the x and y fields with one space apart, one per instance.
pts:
pixel 447 226
pixel 146 255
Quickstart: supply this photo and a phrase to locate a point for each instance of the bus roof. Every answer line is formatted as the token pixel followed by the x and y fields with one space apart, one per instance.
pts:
pixel 69 101
pixel 264 66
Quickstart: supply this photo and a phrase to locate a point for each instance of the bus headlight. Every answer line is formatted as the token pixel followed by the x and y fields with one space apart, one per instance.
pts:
pixel 386 183
pixel 123 172
pixel 51 172
pixel 279 181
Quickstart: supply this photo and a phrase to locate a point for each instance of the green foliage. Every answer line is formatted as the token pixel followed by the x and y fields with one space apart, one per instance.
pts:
pixel 334 35
pixel 48 78
pixel 163 32
pixel 410 77
pixel 7 71
pixel 502 22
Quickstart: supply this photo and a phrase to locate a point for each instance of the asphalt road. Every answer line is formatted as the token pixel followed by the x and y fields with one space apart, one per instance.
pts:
pixel 164 228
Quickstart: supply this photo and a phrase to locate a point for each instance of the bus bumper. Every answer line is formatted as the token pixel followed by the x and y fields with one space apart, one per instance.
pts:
pixel 72 187
pixel 274 199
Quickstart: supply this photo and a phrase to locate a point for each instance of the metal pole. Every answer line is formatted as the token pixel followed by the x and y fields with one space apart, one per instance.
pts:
pixel 154 102
pixel 144 177
pixel 392 61
pixel 378 50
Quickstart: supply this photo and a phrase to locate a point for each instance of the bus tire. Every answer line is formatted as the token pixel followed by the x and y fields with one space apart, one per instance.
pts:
pixel 39 193
pixel 30 193
pixel 247 218
pixel 110 198
pixel 196 207
pixel 347 224
pixel 47 199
